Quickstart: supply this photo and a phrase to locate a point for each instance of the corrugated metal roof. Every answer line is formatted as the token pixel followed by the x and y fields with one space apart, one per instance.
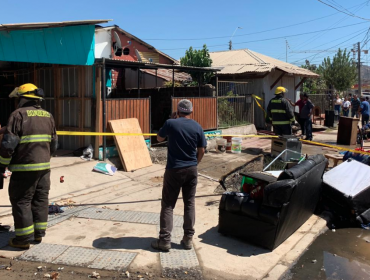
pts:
pixel 166 74
pixel 37 25
pixel 247 61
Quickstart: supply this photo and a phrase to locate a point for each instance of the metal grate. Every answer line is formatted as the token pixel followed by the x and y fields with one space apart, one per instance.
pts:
pixel 44 252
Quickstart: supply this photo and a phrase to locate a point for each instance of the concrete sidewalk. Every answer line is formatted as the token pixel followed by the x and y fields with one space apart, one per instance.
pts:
pixel 117 218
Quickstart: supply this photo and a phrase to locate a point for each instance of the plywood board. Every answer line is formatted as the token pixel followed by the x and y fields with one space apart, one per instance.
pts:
pixel 132 149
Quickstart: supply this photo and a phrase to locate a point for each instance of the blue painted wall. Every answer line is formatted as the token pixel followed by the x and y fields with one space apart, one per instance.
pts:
pixel 72 45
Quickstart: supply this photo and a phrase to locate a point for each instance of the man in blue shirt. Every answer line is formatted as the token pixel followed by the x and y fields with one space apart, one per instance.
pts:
pixel 365 111
pixel 186 147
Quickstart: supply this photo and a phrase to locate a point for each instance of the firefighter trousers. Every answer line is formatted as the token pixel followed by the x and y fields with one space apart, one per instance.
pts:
pixel 29 194
pixel 283 129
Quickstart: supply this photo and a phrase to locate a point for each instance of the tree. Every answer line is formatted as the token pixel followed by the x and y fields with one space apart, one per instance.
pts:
pixel 341 72
pixel 313 86
pixel 198 58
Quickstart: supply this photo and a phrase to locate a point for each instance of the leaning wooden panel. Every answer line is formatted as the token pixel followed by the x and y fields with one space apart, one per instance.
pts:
pixel 132 150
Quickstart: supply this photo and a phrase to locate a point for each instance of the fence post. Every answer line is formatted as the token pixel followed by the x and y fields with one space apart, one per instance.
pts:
pixel 216 101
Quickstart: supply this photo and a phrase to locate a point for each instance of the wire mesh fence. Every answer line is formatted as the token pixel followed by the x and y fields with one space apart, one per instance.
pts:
pixel 234 104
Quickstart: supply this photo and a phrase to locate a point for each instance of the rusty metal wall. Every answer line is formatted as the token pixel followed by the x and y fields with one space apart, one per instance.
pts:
pixel 45 80
pixel 124 108
pixel 204 110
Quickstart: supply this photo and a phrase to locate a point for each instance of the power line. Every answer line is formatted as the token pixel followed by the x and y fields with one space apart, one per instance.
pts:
pixel 247 34
pixel 274 38
pixel 341 11
pixel 313 56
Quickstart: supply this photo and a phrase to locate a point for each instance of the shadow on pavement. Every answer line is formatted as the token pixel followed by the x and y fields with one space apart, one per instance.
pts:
pixel 234 246
pixel 126 242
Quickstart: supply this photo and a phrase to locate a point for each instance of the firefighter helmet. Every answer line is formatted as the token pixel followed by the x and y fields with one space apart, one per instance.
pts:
pixel 280 90
pixel 28 91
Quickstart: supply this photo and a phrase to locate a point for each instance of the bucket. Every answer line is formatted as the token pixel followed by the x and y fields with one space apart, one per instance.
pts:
pixel 228 144
pixel 236 145
pixel 221 145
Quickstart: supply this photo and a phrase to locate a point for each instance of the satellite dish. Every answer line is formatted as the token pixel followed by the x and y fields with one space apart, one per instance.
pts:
pixel 138 55
pixel 117 45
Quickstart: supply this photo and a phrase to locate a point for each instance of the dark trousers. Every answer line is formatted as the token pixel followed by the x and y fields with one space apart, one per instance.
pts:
pixel 301 124
pixel 345 113
pixel 184 179
pixel 29 194
pixel 308 128
pixel 364 120
pixel 284 129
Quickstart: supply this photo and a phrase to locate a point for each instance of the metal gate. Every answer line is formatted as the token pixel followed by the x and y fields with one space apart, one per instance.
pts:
pixel 235 104
pixel 204 110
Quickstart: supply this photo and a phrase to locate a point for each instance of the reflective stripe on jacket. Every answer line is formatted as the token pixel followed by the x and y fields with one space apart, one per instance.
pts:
pixel 279 111
pixel 29 140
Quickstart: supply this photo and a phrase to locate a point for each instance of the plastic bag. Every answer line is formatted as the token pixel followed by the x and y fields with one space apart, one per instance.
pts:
pixel 88 153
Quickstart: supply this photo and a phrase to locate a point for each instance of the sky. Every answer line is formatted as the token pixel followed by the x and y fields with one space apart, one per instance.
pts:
pixel 281 29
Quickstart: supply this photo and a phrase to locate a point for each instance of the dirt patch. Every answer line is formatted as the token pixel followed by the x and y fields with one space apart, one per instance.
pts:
pixel 232 181
pixel 158 155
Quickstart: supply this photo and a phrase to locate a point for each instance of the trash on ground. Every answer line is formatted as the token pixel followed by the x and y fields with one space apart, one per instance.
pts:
pixel 54 275
pixel 87 154
pixel 47 275
pixel 314 261
pixel 55 209
pixel 105 168
pixel 333 230
pixel 94 275
pixel 62 179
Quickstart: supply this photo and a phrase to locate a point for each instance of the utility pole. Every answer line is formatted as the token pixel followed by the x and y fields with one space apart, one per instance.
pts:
pixel 231 38
pixel 230 45
pixel 286 50
pixel 359 68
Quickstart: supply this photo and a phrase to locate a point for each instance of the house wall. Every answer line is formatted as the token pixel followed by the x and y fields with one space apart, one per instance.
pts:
pixel 288 82
pixel 140 47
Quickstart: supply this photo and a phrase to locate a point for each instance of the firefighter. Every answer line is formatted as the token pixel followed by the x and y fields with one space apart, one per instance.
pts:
pixel 279 113
pixel 28 143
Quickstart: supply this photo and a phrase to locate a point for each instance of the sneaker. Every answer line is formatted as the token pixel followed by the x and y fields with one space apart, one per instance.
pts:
pixel 19 245
pixel 161 245
pixel 187 243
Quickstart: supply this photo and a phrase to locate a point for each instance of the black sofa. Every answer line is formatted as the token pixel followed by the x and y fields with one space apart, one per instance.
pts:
pixel 287 204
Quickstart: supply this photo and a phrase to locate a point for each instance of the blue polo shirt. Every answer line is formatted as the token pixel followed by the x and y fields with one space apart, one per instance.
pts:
pixel 365 108
pixel 184 137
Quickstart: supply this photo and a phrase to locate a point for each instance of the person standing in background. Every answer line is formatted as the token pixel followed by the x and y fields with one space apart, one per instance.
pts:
pixel 365 111
pixel 345 107
pixel 300 103
pixel 306 115
pixel 355 106
pixel 337 104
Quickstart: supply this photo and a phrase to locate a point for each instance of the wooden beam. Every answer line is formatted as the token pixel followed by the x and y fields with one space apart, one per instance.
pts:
pixel 300 83
pixel 278 79
pixel 98 114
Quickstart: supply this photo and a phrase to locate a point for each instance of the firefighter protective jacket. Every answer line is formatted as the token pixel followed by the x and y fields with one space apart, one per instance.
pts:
pixel 30 139
pixel 279 112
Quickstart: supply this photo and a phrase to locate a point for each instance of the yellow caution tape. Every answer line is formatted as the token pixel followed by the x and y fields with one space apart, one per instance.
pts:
pixel 78 133
pixel 256 98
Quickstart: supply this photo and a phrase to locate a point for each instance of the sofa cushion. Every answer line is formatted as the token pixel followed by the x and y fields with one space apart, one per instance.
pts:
pixel 232 201
pixel 278 193
pixel 250 207
pixel 298 170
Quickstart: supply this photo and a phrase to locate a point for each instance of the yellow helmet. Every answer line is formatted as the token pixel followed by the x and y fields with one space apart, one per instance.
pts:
pixel 27 90
pixel 280 90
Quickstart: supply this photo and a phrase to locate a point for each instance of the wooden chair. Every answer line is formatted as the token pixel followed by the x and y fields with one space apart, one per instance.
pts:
pixel 317 116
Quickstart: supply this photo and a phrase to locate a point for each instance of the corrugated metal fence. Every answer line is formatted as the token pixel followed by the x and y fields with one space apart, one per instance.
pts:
pixel 204 112
pixel 129 108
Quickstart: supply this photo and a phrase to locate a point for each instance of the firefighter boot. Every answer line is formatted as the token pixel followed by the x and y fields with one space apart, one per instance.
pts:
pixel 13 242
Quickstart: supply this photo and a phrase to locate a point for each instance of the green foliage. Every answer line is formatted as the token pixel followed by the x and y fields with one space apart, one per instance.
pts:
pixel 168 84
pixel 313 86
pixel 339 72
pixel 226 112
pixel 198 58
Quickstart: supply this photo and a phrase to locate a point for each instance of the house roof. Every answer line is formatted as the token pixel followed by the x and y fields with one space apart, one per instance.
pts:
pixel 37 25
pixel 133 37
pixel 150 65
pixel 247 61
pixel 166 74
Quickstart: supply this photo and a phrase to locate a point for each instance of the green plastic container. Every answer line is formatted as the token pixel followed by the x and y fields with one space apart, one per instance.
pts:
pixel 247 180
